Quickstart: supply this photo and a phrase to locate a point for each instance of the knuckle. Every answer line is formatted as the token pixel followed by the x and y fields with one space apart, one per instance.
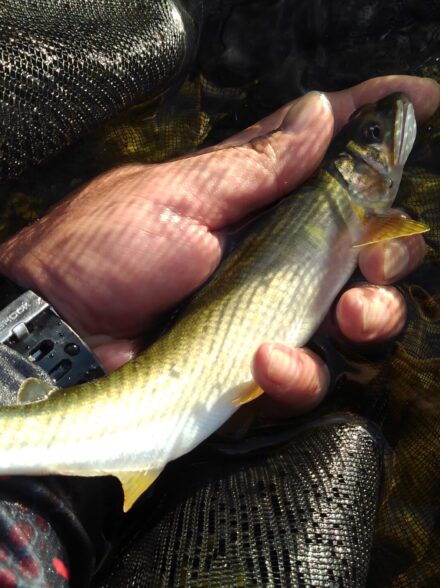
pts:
pixel 263 151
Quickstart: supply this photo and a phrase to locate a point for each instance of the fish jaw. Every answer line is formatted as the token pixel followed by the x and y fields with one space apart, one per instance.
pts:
pixel 369 154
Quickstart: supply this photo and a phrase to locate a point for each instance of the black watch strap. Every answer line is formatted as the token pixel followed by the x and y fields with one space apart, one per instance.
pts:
pixel 30 326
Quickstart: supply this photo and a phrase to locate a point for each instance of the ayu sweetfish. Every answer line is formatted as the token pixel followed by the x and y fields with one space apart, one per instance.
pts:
pixel 277 284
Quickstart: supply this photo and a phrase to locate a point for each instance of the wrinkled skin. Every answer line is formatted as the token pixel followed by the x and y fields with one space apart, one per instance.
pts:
pixel 129 245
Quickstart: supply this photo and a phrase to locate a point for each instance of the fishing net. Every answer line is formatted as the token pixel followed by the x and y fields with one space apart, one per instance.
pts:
pixel 59 82
pixel 347 495
pixel 301 516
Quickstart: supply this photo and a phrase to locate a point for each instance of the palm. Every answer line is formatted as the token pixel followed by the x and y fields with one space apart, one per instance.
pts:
pixel 128 253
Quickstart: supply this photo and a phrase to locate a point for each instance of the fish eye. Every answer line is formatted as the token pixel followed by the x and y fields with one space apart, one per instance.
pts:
pixel 372 133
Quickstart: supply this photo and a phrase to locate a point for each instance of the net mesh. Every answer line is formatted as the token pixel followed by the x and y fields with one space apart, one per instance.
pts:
pixel 68 66
pixel 345 496
pixel 300 516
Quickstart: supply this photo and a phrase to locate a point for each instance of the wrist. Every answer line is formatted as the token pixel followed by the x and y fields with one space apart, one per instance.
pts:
pixel 31 327
pixel 23 264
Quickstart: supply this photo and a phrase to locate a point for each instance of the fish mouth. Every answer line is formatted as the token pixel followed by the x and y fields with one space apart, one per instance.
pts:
pixel 405 128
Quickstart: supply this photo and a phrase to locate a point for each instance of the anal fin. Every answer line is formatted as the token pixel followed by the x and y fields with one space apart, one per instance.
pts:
pixel 135 483
pixel 389 226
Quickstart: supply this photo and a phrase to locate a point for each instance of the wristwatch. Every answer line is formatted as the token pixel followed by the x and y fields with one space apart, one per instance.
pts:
pixel 32 327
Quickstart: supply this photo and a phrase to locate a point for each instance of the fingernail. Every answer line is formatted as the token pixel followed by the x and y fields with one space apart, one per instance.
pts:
pixel 304 111
pixel 281 368
pixel 374 313
pixel 395 259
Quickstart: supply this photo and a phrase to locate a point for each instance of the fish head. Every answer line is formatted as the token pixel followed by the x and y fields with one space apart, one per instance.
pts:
pixel 368 156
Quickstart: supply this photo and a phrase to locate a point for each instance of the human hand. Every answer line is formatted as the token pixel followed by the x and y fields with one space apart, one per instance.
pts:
pixel 132 243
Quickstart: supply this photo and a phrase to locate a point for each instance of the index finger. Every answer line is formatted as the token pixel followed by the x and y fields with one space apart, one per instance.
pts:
pixel 424 93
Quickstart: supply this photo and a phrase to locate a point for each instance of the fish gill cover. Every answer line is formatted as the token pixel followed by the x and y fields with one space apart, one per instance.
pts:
pixel 348 495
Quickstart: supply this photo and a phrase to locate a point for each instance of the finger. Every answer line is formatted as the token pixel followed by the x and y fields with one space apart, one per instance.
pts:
pixel 271 158
pixel 424 93
pixel 370 313
pixel 386 262
pixel 113 353
pixel 296 379
pixel 223 186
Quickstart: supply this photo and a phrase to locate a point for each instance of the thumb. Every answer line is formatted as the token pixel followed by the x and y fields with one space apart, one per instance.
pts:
pixel 236 178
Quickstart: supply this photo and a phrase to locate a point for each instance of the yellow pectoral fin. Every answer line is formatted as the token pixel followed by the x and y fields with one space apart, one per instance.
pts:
pixel 389 226
pixel 247 392
pixel 134 484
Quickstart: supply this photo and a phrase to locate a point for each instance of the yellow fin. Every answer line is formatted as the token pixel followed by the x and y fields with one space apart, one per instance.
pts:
pixel 33 390
pixel 134 484
pixel 247 392
pixel 389 226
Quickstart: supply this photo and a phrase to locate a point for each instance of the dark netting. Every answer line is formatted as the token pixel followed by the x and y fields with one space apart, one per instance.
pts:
pixel 67 66
pixel 292 504
pixel 302 516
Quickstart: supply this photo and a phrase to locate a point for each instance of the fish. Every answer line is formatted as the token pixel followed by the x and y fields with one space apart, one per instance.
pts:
pixel 276 284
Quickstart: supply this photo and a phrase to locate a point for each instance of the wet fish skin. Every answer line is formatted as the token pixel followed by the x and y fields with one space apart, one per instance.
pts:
pixel 277 284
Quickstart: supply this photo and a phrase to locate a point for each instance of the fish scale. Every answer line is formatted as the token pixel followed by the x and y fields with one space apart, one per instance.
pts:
pixel 278 283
